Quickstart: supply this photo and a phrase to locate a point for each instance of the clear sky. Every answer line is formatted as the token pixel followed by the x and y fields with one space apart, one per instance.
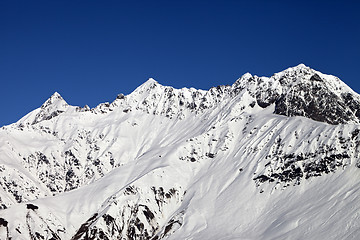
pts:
pixel 89 51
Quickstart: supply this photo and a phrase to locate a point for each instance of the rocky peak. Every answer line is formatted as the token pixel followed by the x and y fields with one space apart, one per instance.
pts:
pixel 296 91
pixel 296 70
pixel 51 108
pixel 309 93
pixel 147 86
pixel 133 175
pixel 55 100
pixel 302 91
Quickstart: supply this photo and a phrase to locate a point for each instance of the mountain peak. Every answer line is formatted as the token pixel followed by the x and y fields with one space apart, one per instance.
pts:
pixel 150 82
pixel 301 65
pixel 55 100
pixel 296 70
pixel 56 95
pixel 143 166
pixel 52 107
pixel 303 91
pixel 246 76
pixel 146 86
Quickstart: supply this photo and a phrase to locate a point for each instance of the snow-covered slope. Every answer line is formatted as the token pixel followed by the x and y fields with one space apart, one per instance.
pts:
pixel 265 158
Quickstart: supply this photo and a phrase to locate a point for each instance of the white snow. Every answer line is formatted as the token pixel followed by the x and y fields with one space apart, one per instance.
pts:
pixel 123 152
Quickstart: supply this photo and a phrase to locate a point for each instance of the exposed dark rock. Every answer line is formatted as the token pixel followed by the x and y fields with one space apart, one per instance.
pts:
pixel 294 168
pixel 130 190
pixel 139 225
pixel 148 214
pixel 262 178
pixel 315 102
pixel 31 206
pixel 168 228
pixel 83 232
pixel 108 219
pixel 120 96
pixel 42 159
pixel 3 222
pixel 316 77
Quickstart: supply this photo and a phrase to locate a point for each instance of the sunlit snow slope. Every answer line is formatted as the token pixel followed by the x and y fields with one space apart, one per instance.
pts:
pixel 265 158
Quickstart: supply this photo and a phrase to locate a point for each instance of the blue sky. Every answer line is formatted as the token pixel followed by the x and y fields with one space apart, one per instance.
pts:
pixel 89 51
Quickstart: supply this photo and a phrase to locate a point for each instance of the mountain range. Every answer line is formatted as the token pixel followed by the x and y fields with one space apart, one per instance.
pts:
pixel 265 158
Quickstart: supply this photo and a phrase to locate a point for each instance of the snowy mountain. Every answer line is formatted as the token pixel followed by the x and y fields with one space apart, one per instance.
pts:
pixel 265 158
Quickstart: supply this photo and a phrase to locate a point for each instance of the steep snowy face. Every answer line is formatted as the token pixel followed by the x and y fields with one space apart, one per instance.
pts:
pixel 296 91
pixel 275 155
pixel 153 98
pixel 302 91
pixel 52 107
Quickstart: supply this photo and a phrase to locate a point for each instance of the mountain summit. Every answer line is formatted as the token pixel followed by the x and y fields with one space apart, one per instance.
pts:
pixel 302 91
pixel 265 158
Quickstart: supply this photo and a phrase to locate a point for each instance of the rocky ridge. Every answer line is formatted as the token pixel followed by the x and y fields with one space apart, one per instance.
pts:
pixel 134 182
